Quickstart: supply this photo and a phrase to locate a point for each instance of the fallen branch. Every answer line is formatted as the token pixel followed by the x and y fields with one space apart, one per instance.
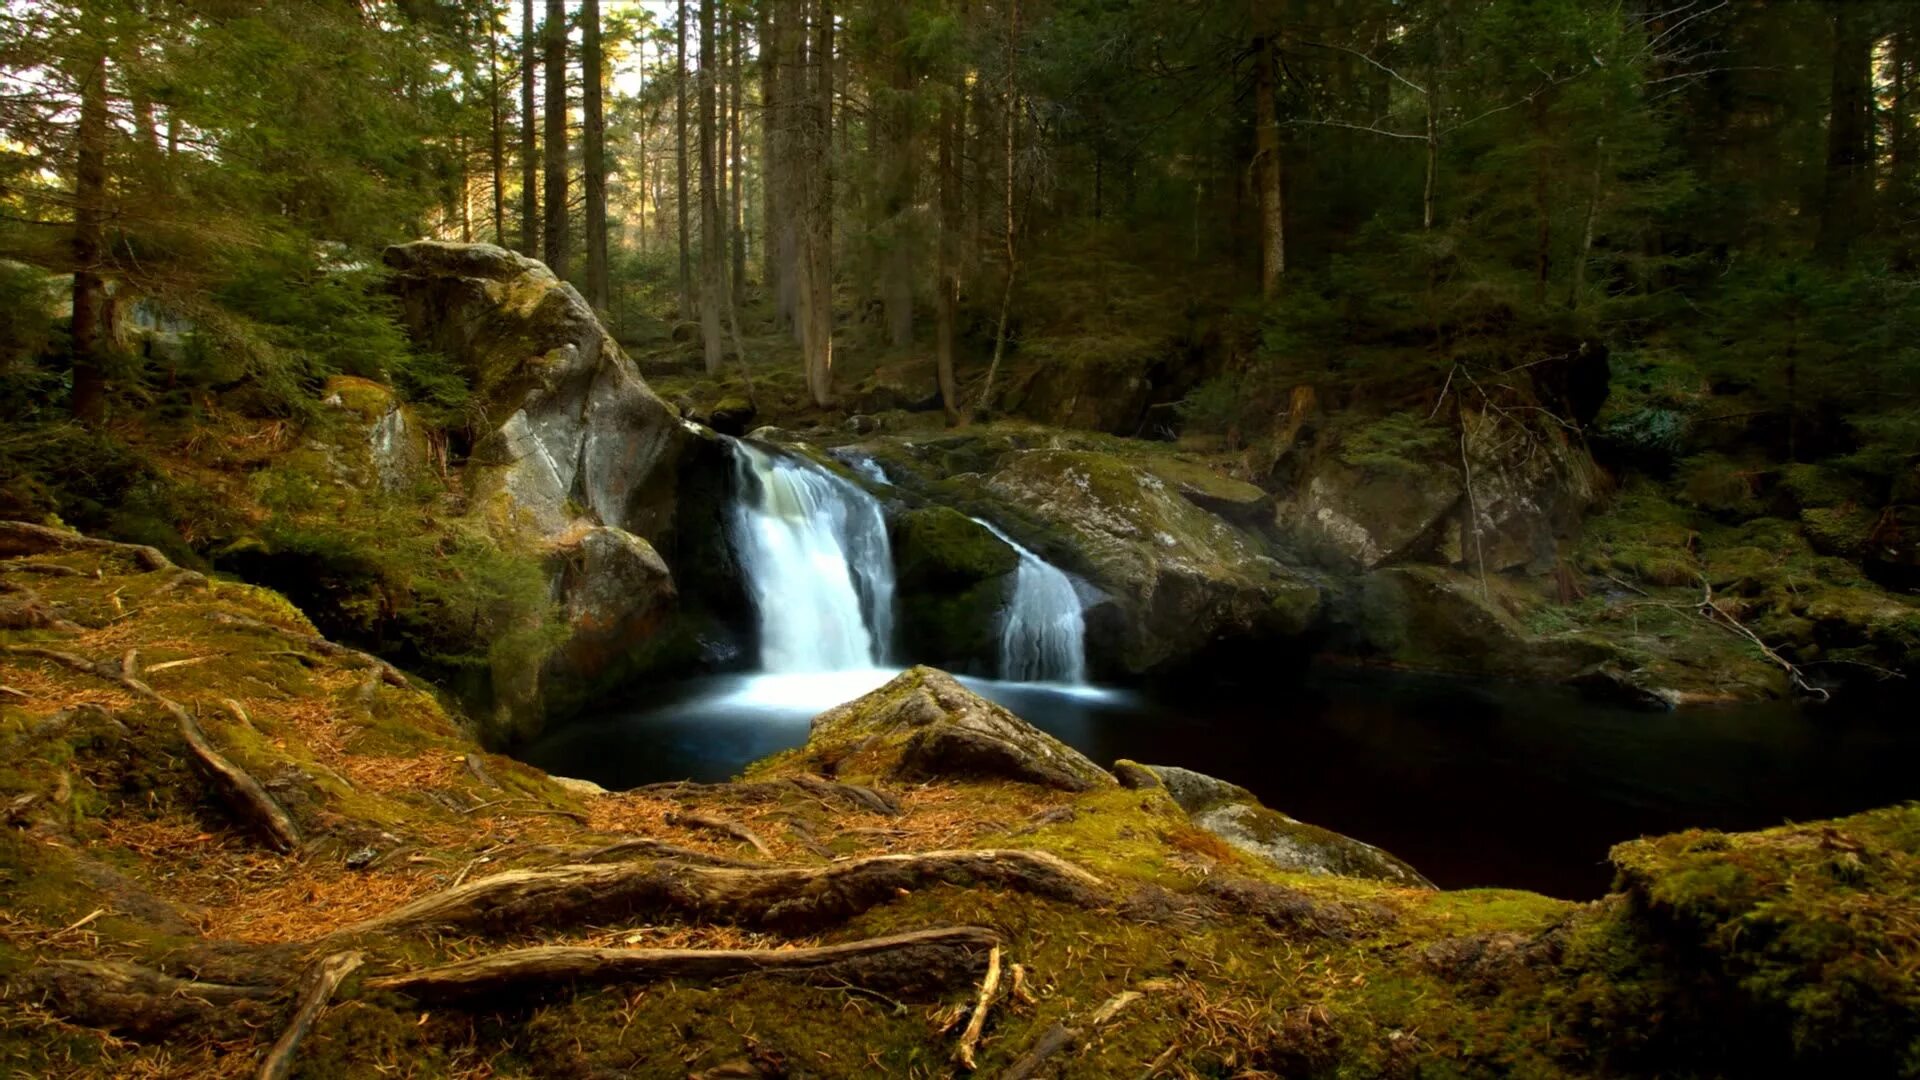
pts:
pixel 1063 1036
pixel 19 538
pixel 977 1023
pixel 321 981
pixel 731 828
pixel 793 899
pixel 1719 616
pixel 926 962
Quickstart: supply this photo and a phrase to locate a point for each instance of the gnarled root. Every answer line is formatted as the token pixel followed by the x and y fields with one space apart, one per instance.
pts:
pixel 920 964
pixel 791 899
pixel 21 538
pixel 134 1000
pixel 315 991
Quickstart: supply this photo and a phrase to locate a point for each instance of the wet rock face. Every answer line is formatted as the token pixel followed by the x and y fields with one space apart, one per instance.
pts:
pixel 1179 579
pixel 1231 812
pixel 924 725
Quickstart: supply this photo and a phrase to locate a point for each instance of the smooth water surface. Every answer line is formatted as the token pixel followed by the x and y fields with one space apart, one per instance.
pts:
pixel 1475 784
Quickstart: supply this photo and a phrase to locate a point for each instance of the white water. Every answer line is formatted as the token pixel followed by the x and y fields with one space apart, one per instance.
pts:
pixel 1043 633
pixel 813 549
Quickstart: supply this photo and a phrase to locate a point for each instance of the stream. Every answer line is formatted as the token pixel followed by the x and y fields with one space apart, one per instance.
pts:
pixel 1477 784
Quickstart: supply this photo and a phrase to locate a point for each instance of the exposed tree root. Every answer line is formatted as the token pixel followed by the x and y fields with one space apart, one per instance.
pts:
pixel 854 795
pixel 793 899
pixel 235 786
pixel 923 963
pixel 731 828
pixel 647 847
pixel 391 675
pixel 20 538
pixel 1063 1036
pixel 315 991
pixel 133 1000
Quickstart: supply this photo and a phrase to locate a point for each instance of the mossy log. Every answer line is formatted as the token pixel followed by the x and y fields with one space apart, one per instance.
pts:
pixel 792 899
pixel 920 964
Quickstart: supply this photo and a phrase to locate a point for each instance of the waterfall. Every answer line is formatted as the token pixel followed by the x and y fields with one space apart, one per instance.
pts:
pixel 813 549
pixel 1043 632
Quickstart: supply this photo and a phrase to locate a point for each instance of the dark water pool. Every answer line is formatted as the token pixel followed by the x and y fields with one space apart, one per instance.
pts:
pixel 1476 784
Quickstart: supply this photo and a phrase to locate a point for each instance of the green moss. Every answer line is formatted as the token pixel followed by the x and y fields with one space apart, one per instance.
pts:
pixel 1404 443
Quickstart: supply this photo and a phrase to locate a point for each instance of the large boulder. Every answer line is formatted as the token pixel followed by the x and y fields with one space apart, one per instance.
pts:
pixel 953 579
pixel 1232 813
pixel 570 430
pixel 575 459
pixel 924 725
pixel 1179 580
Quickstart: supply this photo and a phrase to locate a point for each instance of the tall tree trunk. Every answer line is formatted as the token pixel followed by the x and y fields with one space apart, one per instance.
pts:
pixel 89 327
pixel 1273 235
pixel 497 130
pixel 1900 172
pixel 680 156
pixel 770 153
pixel 556 129
pixel 529 149
pixel 466 186
pixel 817 233
pixel 711 253
pixel 1849 133
pixel 1008 120
pixel 1577 290
pixel 953 123
pixel 599 294
pixel 737 34
pixel 1542 203
pixel 901 166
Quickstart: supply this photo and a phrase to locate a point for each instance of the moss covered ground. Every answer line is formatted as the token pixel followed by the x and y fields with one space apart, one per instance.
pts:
pixel 1803 938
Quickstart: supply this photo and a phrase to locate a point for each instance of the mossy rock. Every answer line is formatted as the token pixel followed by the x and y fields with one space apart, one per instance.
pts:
pixel 938 548
pixel 953 581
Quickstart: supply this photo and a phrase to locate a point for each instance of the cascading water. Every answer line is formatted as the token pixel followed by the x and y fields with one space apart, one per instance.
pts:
pixel 813 549
pixel 1043 631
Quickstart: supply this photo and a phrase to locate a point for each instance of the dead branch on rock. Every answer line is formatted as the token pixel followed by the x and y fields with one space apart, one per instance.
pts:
pixel 977 1023
pixel 923 962
pixel 1719 616
pixel 316 990
pixel 388 673
pixel 1064 1036
pixel 731 828
pixel 793 899
pixel 19 538
pixel 131 999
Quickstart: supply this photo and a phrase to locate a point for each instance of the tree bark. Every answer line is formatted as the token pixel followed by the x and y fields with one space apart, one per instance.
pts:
pixel 953 124
pixel 712 251
pixel 1273 236
pixel 680 157
pixel 1009 119
pixel 529 149
pixel 817 233
pixel 497 149
pixel 599 294
pixel 555 29
pixel 737 33
pixel 900 167
pixel 770 154
pixel 89 327
pixel 1849 165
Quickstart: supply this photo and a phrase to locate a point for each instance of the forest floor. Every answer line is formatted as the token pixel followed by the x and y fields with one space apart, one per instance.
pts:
pixel 426 909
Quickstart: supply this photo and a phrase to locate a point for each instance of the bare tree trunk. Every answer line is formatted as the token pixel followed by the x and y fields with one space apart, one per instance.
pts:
pixel 497 150
pixel 1273 237
pixel 599 295
pixel 771 208
pixel 736 161
pixel 555 30
pixel 817 234
pixel 953 123
pixel 1577 290
pixel 1009 120
pixel 680 156
pixel 1849 133
pixel 465 155
pixel 711 254
pixel 792 113
pixel 529 150
pixel 1542 205
pixel 89 326
pixel 901 167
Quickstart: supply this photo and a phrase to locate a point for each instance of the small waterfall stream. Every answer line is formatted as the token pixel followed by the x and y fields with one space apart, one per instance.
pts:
pixel 1043 634
pixel 814 552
